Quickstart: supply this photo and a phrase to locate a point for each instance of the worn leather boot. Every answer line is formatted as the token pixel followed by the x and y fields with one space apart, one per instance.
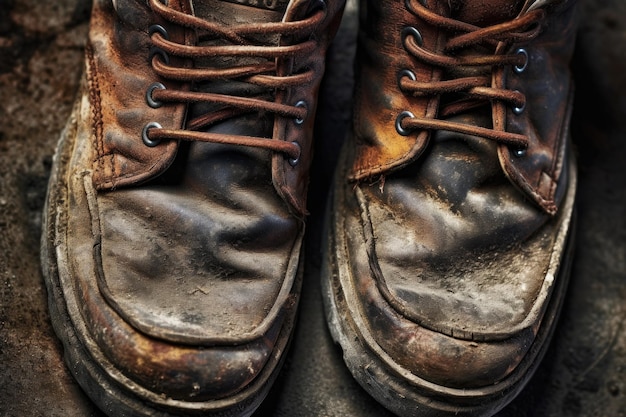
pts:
pixel 176 205
pixel 450 224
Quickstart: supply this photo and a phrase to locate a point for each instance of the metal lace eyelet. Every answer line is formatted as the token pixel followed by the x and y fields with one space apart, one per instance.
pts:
pixel 301 104
pixel 520 152
pixel 411 31
pixel 158 51
pixel 144 134
pixel 402 131
pixel 405 73
pixel 521 68
pixel 294 161
pixel 158 29
pixel 407 4
pixel 519 109
pixel 149 99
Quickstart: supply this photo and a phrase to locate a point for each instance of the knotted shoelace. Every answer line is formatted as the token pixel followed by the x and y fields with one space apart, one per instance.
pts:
pixel 241 41
pixel 477 90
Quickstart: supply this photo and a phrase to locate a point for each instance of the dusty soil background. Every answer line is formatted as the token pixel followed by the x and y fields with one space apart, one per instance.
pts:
pixel 584 373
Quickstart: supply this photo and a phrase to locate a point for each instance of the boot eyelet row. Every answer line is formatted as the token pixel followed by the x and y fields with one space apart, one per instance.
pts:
pixel 519 69
pixel 299 121
pixel 144 134
pixel 402 131
pixel 158 51
pixel 149 99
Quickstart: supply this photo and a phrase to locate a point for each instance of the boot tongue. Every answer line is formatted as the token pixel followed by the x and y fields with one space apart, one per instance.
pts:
pixel 482 13
pixel 233 12
pixel 486 12
pixel 241 165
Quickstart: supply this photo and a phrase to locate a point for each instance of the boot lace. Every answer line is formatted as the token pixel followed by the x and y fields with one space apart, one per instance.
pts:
pixel 234 43
pixel 474 91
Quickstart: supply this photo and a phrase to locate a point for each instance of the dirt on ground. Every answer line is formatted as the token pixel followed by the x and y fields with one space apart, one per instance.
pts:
pixel 584 373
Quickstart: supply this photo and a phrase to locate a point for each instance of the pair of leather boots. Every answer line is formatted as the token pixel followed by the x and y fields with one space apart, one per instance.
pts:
pixel 176 208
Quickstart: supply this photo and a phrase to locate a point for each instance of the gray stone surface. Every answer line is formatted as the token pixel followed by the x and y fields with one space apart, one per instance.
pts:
pixel 584 373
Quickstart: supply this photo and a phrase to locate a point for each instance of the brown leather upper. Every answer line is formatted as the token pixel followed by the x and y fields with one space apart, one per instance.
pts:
pixel 118 81
pixel 121 52
pixel 545 84
pixel 184 257
pixel 451 219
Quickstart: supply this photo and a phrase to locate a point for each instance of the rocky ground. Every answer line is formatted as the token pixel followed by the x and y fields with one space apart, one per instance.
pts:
pixel 584 373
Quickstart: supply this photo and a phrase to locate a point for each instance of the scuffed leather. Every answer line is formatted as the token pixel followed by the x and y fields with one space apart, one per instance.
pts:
pixel 548 88
pixel 120 72
pixel 546 84
pixel 183 260
pixel 437 355
pixel 163 289
pixel 450 267
pixel 378 100
pixel 292 182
